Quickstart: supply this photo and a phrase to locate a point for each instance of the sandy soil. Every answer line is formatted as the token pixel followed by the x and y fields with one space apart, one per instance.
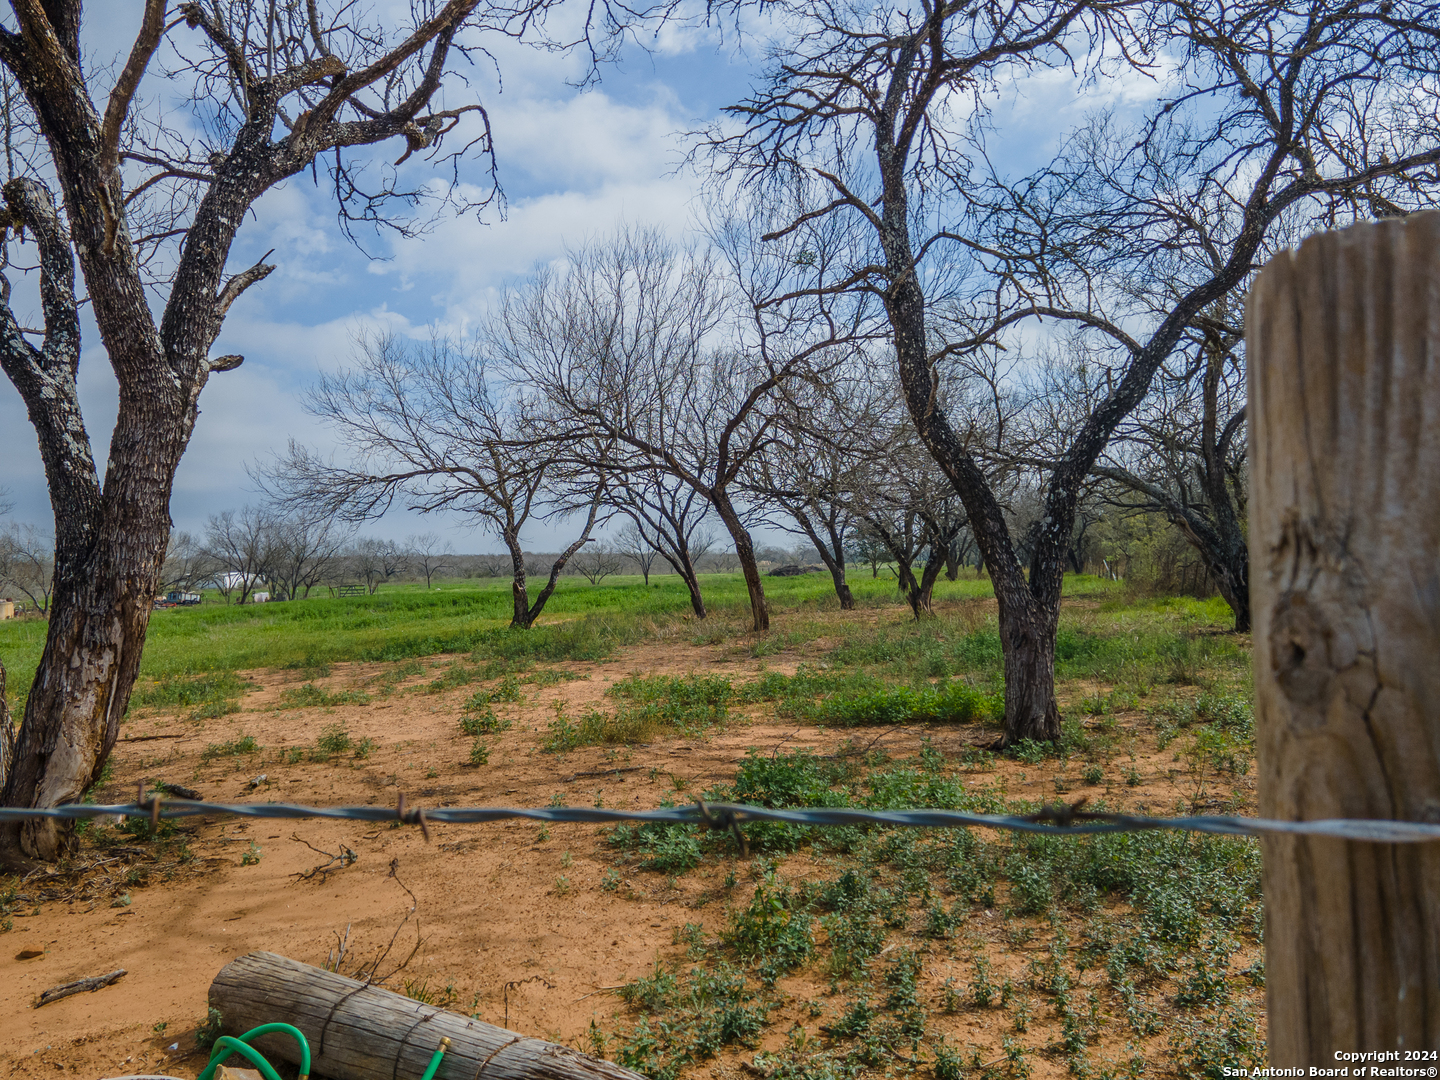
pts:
pixel 513 927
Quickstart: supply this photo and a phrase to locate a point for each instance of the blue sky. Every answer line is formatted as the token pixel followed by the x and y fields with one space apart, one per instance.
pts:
pixel 573 163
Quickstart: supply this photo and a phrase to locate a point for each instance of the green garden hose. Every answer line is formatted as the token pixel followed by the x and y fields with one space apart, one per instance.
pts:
pixel 435 1060
pixel 225 1046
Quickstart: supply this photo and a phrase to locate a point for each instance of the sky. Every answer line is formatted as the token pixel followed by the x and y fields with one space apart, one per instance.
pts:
pixel 574 164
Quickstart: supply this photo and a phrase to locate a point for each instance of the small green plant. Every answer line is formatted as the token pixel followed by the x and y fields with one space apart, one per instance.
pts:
pixel 334 739
pixel 364 748
pixel 1029 751
pixel 251 855
pixel 562 886
pixel 1024 1013
pixel 482 721
pixel 210 1029
pixel 479 753
pixel 1093 774
pixel 610 880
pixel 311 696
pixel 1132 776
pixel 419 990
pixel 240 747
pixel 949 1064
pixel 159 1029
pixel 773 931
pixel 982 989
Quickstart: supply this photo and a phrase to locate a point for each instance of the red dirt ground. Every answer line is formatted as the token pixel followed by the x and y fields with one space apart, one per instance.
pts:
pixel 500 936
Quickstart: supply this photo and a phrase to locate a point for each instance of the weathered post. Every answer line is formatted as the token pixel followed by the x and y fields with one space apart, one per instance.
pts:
pixel 1343 345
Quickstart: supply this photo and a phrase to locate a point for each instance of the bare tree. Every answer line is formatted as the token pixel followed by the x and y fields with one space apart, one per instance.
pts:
pixel 375 561
pixel 1182 454
pixel 428 425
pixel 821 454
pixel 865 547
pixel 429 555
pixel 242 550
pixel 630 542
pixel 150 209
pixel 305 549
pixel 187 564
pixel 596 561
pixel 667 516
pixel 619 345
pixel 1283 117
pixel 27 564
pixel 906 504
pixel 493 565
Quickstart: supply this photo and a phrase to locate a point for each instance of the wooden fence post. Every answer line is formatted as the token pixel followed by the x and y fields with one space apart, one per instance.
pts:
pixel 1343 347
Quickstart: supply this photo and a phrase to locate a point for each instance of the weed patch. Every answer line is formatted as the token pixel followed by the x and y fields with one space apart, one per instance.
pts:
pixel 244 746
pixel 310 696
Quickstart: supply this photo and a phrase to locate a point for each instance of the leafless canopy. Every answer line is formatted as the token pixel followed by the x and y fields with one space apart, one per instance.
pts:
pixel 430 425
pixel 1266 120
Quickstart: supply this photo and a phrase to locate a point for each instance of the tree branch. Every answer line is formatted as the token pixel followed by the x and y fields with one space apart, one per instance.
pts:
pixel 152 29
pixel 239 283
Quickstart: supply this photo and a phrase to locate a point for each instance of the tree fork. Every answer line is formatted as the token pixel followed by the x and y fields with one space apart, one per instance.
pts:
pixel 1345 588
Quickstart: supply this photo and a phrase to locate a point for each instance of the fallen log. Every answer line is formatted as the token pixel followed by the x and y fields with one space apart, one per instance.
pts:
pixel 79 986
pixel 359 1032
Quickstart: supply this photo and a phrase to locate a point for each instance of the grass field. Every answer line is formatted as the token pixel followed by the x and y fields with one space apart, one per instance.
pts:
pixel 585 622
pixel 838 954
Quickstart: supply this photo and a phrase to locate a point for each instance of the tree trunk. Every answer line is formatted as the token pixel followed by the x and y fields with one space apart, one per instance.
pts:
pixel 1345 460
pixel 520 618
pixel 556 570
pixel 692 583
pixel 368 1033
pixel 685 568
pixel 928 576
pixel 7 733
pixel 98 618
pixel 1227 560
pixel 745 552
pixel 833 556
pixel 1027 642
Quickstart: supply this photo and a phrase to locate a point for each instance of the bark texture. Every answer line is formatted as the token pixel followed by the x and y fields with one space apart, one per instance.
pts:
pixel 368 1033
pixel 1343 337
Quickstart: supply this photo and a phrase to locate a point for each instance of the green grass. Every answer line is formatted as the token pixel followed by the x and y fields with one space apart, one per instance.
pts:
pixel 1137 646
pixel 310 695
pixel 1129 935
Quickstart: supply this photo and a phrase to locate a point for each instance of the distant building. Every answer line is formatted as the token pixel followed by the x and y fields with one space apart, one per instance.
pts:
pixel 7 609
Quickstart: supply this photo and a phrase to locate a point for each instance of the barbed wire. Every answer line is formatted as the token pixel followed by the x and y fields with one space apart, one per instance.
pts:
pixel 1059 819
